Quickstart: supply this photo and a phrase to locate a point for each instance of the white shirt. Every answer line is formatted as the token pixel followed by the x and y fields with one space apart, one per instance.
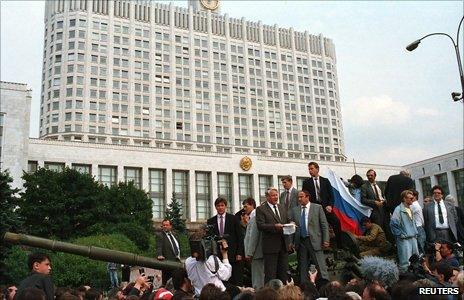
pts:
pixel 417 213
pixel 175 241
pixel 376 187
pixel 223 221
pixel 306 216
pixel 273 210
pixel 199 272
pixel 443 212
pixel 316 185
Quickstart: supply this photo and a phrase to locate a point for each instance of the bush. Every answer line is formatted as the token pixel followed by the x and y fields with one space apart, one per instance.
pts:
pixel 16 264
pixel 69 270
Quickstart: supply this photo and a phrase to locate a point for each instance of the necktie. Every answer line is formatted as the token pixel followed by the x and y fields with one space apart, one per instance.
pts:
pixel 221 225
pixel 318 188
pixel 374 186
pixel 440 214
pixel 286 199
pixel 276 211
pixel 173 244
pixel 303 231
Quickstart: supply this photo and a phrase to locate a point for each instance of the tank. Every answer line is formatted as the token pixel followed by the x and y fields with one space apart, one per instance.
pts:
pixel 91 252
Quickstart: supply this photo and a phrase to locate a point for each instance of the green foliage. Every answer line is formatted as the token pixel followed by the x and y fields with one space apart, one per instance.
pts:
pixel 69 204
pixel 59 204
pixel 184 245
pixel 9 220
pixel 73 270
pixel 174 213
pixel 15 265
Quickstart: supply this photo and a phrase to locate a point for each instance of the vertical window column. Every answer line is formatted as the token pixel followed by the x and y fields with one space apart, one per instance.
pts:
pixel 203 195
pixel 225 189
pixel 180 186
pixel 245 186
pixel 265 182
pixel 157 179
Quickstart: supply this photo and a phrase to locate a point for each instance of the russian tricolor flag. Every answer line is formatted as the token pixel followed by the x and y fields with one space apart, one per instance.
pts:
pixel 348 210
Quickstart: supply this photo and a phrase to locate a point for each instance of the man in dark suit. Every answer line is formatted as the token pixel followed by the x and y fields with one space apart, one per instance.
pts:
pixel 320 192
pixel 289 197
pixel 270 219
pixel 311 237
pixel 372 196
pixel 167 247
pixel 396 184
pixel 226 224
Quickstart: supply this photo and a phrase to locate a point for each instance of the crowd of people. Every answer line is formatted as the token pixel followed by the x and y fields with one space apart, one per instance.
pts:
pixel 424 239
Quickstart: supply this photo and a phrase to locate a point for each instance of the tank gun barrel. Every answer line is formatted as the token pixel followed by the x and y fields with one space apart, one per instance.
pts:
pixel 96 253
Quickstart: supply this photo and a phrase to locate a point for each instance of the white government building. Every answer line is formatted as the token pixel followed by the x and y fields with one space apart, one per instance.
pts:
pixel 182 100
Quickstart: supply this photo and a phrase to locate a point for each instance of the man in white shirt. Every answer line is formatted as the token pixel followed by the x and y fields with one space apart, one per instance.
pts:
pixel 419 220
pixel 212 270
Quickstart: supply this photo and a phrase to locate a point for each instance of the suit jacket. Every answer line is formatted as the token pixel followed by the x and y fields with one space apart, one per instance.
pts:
pixel 266 219
pixel 396 184
pixel 163 246
pixel 429 220
pixel 235 237
pixel 292 200
pixel 325 191
pixel 253 240
pixel 368 198
pixel 318 227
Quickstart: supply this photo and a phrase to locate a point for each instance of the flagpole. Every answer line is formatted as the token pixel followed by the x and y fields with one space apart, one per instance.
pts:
pixel 354 164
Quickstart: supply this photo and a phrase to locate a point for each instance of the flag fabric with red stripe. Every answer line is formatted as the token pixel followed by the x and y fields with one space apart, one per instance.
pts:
pixel 348 210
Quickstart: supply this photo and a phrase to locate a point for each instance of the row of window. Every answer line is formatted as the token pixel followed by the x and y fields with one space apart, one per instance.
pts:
pixel 442 180
pixel 108 175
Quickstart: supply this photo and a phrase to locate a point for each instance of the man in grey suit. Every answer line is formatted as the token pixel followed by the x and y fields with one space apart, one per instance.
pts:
pixel 270 219
pixel 372 196
pixel 254 252
pixel 440 218
pixel 289 197
pixel 311 237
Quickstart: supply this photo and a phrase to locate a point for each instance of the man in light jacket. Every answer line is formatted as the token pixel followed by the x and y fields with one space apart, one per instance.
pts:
pixel 254 252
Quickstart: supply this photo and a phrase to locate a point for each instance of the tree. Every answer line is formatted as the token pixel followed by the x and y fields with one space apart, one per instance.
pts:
pixel 60 205
pixel 128 210
pixel 174 213
pixel 9 220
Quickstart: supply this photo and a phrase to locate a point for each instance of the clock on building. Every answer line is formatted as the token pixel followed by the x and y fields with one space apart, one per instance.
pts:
pixel 210 4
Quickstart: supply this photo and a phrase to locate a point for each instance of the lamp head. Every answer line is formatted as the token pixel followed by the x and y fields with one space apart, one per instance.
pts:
pixel 456 96
pixel 413 45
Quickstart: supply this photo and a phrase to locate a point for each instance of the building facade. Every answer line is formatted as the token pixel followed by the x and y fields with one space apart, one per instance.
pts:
pixel 144 73
pixel 445 170
pixel 15 107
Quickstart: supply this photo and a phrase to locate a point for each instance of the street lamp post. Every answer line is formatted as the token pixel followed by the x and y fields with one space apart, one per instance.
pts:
pixel 455 96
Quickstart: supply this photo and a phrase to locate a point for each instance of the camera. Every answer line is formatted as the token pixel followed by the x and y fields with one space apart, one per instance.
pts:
pixel 209 245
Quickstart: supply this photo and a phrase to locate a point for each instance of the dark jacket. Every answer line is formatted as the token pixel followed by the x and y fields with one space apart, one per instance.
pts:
pixel 326 195
pixel 235 236
pixel 163 246
pixel 396 184
pixel 40 281
pixel 266 219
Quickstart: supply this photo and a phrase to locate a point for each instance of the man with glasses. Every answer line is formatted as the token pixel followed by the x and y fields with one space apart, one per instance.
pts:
pixel 440 218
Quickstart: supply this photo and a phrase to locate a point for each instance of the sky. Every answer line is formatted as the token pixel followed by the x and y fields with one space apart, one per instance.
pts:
pixel 396 105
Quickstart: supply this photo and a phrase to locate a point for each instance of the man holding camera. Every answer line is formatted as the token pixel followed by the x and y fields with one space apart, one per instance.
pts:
pixel 202 270
pixel 444 253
